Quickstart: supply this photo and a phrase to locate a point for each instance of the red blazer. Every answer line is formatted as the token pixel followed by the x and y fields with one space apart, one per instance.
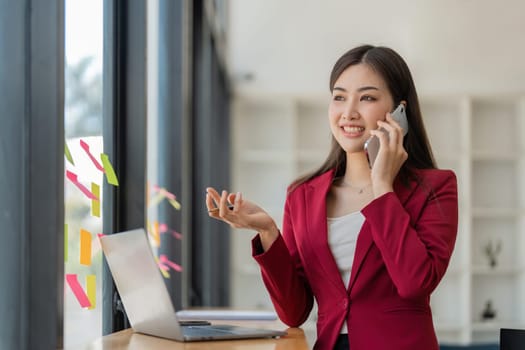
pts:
pixel 402 252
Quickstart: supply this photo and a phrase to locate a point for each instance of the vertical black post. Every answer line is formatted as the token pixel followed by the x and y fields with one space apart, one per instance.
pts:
pixel 173 136
pixel 211 166
pixel 124 109
pixel 32 180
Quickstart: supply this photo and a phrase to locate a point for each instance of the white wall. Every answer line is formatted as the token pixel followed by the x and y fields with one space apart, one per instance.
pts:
pixel 452 46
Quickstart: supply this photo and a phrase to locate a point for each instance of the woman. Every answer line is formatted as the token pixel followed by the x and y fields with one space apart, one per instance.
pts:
pixel 370 244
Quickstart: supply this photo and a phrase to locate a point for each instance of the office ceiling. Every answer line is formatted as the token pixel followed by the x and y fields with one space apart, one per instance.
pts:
pixel 288 47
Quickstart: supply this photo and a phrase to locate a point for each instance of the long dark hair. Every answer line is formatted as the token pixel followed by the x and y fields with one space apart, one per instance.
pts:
pixel 395 72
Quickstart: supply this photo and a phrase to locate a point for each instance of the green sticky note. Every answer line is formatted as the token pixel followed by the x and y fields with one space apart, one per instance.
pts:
pixel 108 169
pixel 95 203
pixel 68 154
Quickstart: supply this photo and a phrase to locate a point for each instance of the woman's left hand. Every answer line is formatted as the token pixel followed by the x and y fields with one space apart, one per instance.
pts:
pixel 390 157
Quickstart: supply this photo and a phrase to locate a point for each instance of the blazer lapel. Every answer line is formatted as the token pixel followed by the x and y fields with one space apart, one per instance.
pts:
pixel 364 240
pixel 317 231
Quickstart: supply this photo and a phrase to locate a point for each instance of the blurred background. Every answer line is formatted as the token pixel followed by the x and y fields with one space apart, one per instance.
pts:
pixel 181 95
pixel 466 59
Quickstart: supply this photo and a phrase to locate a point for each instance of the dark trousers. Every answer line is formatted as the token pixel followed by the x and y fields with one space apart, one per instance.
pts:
pixel 342 342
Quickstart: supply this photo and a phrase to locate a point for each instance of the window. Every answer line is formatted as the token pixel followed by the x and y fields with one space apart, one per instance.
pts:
pixel 84 177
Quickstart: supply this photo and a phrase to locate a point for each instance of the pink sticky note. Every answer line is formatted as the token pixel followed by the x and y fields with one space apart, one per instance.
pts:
pixel 85 147
pixel 79 293
pixel 163 228
pixel 163 267
pixel 74 179
pixel 176 234
pixel 164 260
pixel 164 192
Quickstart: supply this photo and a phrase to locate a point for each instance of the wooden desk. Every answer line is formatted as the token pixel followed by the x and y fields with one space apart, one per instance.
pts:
pixel 129 340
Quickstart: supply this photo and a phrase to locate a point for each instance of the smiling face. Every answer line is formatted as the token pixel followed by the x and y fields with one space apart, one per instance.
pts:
pixel 360 98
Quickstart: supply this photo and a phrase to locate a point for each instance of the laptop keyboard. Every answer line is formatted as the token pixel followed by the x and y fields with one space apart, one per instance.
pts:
pixel 192 331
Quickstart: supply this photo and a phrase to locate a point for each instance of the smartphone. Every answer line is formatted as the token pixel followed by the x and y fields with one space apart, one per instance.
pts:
pixel 372 144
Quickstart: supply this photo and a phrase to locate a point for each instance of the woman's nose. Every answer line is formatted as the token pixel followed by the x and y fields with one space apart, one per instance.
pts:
pixel 350 112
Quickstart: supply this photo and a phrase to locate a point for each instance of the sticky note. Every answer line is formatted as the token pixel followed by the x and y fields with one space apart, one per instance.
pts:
pixel 77 290
pixel 163 228
pixel 109 171
pixel 74 179
pixel 163 268
pixel 166 274
pixel 163 259
pixel 68 154
pixel 85 147
pixel 154 232
pixel 155 200
pixel 85 247
pixel 174 203
pixel 91 288
pixel 95 203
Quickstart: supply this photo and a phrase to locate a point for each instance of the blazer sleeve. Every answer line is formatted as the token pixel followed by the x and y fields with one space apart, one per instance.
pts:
pixel 283 275
pixel 416 254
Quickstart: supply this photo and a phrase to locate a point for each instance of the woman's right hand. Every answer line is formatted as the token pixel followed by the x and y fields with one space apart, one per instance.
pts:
pixel 244 214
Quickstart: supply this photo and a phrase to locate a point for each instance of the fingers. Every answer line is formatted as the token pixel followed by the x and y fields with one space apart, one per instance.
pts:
pixel 216 202
pixel 390 136
pixel 223 204
pixel 212 200
pixel 392 129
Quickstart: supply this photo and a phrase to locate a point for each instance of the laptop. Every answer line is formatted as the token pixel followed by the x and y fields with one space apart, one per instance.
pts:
pixel 512 339
pixel 146 299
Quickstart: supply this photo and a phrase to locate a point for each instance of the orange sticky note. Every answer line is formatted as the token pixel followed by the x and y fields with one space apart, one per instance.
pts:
pixel 154 232
pixel 85 247
pixel 91 288
pixel 77 290
pixel 95 203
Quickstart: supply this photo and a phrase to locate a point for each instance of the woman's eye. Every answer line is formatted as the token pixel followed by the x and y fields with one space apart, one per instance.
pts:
pixel 338 98
pixel 367 98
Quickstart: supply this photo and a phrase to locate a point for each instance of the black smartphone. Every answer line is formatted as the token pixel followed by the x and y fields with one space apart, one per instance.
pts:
pixel 372 144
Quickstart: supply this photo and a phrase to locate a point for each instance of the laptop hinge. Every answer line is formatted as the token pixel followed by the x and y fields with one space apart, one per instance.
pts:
pixel 120 319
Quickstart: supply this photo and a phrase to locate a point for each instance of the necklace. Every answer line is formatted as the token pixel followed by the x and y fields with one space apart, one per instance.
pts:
pixel 359 190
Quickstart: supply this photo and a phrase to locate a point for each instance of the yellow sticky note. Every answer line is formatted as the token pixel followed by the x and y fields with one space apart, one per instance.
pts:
pixel 155 200
pixel 91 289
pixel 174 203
pixel 65 242
pixel 108 170
pixel 95 203
pixel 166 274
pixel 85 247
pixel 162 269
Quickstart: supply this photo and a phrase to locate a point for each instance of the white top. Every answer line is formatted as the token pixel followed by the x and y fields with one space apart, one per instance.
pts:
pixel 342 239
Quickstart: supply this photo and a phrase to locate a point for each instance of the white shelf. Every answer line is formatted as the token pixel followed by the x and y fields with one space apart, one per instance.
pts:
pixel 497 212
pixel 490 326
pixel 482 270
pixel 480 138
pixel 263 156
